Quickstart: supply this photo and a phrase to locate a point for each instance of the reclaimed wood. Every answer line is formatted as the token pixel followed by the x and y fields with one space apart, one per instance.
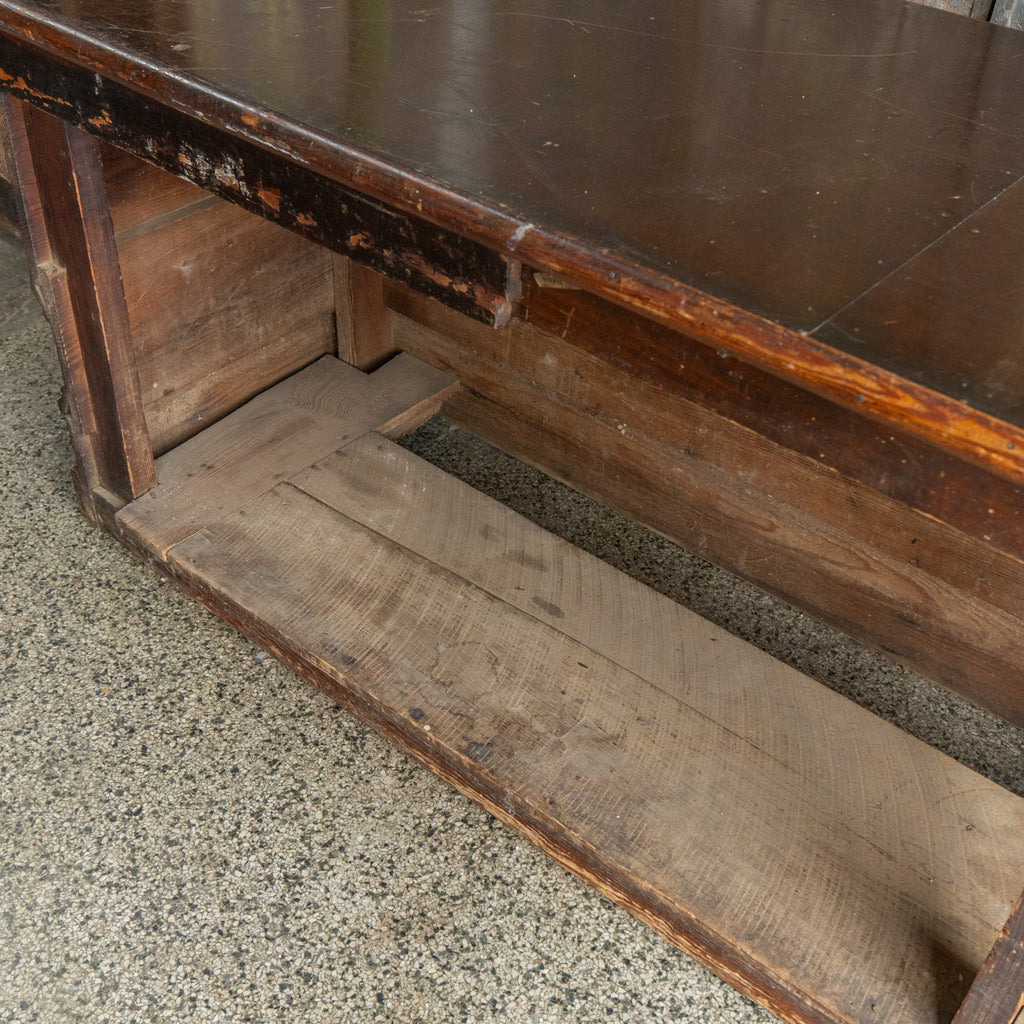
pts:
pixel 275 435
pixel 274 182
pixel 975 349
pixel 881 455
pixel 142 196
pixel 935 598
pixel 879 142
pixel 6 157
pixel 997 995
pixel 77 273
pixel 812 209
pixel 674 767
pixel 365 338
pixel 213 325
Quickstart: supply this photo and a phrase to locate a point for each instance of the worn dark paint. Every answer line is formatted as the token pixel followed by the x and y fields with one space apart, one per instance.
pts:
pixel 465 275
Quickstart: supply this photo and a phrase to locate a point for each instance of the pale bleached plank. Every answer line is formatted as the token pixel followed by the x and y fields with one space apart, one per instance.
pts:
pixel 278 433
pixel 857 882
pixel 799 723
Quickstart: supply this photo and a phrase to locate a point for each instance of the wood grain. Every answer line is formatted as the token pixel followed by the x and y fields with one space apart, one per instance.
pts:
pixel 941 602
pixel 222 305
pixel 72 239
pixel 365 337
pixel 824 862
pixel 276 434
pixel 997 995
pixel 882 456
pixel 142 195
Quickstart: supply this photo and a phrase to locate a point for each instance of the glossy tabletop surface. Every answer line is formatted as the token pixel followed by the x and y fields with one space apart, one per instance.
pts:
pixel 797 158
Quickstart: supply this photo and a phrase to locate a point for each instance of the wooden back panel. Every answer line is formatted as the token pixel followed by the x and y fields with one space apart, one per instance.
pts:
pixel 221 304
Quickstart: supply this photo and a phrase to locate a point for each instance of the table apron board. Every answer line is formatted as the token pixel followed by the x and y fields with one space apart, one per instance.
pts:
pixel 220 383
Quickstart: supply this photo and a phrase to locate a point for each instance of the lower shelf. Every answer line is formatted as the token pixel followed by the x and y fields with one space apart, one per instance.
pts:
pixel 819 859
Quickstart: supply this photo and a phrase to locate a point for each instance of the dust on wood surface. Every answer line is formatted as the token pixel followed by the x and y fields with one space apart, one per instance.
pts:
pixel 818 858
pixel 279 432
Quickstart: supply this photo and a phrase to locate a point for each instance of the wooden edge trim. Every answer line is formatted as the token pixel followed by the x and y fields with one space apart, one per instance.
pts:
pixel 997 994
pixel 850 382
pixel 268 165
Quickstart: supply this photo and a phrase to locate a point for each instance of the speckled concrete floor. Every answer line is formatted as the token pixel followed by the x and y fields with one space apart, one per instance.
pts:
pixel 190 833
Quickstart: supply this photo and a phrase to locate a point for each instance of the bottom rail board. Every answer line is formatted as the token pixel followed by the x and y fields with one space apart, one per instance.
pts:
pixel 818 858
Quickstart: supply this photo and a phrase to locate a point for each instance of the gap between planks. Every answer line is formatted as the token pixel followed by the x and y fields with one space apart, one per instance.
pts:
pixel 824 861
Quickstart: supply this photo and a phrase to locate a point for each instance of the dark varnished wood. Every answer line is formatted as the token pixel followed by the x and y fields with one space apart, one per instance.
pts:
pixel 887 458
pixel 952 316
pixel 9 216
pixel 69 222
pixel 721 166
pixel 278 186
pixel 792 153
pixel 738 188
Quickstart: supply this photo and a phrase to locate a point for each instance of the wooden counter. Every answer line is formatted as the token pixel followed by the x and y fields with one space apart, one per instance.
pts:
pixel 743 270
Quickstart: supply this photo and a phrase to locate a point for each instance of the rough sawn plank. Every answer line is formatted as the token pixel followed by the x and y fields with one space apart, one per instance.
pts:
pixel 819 859
pixel 279 432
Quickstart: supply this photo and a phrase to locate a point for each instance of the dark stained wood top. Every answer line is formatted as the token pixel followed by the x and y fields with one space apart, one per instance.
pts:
pixel 727 165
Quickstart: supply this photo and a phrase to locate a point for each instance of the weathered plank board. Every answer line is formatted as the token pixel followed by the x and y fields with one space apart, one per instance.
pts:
pixel 939 600
pixel 213 325
pixel 276 434
pixel 821 860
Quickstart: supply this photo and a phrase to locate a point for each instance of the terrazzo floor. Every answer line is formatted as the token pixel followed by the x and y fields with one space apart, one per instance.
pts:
pixel 188 832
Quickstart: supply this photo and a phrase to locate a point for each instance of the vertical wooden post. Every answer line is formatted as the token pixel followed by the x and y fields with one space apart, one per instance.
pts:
pixel 364 333
pixel 79 282
pixel 997 994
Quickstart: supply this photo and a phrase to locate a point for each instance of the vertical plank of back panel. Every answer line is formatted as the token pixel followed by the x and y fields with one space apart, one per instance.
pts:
pixel 222 305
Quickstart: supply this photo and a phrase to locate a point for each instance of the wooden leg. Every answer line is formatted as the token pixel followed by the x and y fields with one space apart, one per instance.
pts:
pixel 997 995
pixel 78 279
pixel 365 337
